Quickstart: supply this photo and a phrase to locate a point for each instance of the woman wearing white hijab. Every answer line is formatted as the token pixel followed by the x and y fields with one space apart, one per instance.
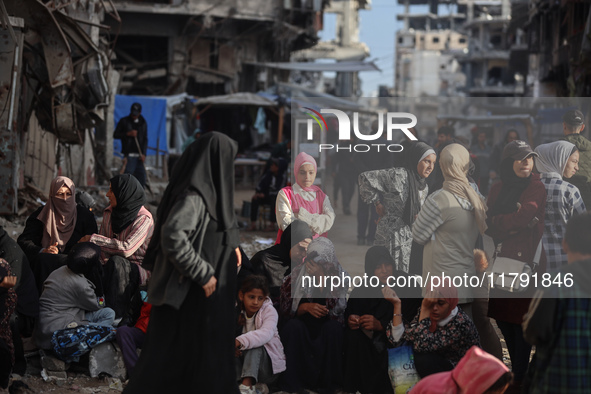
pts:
pixel 557 160
pixel 449 222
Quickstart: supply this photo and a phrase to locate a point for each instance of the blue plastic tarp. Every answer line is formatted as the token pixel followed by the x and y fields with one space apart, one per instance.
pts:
pixel 154 111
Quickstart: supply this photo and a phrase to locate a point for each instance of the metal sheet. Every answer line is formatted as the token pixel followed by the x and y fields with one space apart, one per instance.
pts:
pixel 65 124
pixel 40 155
pixel 10 60
pixel 55 46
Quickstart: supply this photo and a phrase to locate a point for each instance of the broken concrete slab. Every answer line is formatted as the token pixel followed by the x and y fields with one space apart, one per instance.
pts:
pixel 50 363
pixel 107 358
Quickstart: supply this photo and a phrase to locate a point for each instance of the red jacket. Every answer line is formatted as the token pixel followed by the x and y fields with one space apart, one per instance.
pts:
pixel 142 321
pixel 519 242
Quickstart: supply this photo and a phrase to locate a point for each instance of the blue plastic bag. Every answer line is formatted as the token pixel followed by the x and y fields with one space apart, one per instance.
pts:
pixel 401 369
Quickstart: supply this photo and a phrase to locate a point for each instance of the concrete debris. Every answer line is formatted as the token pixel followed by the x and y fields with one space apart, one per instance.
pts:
pixel 50 363
pixel 53 375
pixel 106 358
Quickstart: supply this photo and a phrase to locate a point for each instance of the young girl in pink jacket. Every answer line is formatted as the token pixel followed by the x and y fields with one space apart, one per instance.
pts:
pixel 259 352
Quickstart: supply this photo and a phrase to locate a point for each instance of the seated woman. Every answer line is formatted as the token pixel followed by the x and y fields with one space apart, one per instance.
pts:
pixel 477 372
pixel 275 262
pixel 304 200
pixel 124 237
pixel 441 333
pixel 367 316
pixel 51 231
pixel 313 332
pixel 71 295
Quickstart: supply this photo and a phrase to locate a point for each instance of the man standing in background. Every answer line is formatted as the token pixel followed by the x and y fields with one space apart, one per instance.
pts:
pixel 572 126
pixel 132 130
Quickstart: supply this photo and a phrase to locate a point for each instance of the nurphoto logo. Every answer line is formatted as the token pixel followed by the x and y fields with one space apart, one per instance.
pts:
pixel 392 124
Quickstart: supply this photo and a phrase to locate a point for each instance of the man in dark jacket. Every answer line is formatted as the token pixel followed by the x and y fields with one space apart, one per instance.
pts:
pixel 132 130
pixel 572 126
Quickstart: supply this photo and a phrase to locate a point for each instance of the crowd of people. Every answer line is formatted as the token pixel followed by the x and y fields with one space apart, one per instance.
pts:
pixel 210 319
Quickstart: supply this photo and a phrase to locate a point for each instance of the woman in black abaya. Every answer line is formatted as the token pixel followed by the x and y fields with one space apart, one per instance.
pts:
pixel 190 339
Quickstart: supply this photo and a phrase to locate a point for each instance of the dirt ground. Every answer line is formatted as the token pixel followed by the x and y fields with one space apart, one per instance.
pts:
pixel 79 380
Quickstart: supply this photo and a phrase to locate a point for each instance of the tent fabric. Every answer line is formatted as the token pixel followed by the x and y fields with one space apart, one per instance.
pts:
pixel 154 111
pixel 353 66
pixel 237 99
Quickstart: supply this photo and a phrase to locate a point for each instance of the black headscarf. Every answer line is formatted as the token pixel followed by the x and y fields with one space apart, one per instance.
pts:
pixel 414 152
pixel 130 198
pixel 376 256
pixel 511 190
pixel 207 168
pixel 296 232
pixel 84 258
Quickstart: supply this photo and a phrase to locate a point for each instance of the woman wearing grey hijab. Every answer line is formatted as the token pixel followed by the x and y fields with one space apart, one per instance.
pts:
pixel 557 160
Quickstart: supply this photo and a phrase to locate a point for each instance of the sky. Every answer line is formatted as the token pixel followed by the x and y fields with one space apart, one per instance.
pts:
pixel 377 30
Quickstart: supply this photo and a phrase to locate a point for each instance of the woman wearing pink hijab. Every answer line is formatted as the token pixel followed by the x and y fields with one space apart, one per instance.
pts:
pixel 440 334
pixel 304 200
pixel 477 373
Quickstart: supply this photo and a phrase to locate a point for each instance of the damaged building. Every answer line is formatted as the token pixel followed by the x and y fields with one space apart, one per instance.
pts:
pixel 210 47
pixel 559 47
pixel 55 68
pixel 64 61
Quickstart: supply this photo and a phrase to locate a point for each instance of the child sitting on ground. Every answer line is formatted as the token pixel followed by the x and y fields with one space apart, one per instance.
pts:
pixel 259 352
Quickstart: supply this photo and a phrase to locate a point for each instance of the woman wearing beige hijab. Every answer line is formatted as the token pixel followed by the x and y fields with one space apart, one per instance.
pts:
pixel 449 223
pixel 52 230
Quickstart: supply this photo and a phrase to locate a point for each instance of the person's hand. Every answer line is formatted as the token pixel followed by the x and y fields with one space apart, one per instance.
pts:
pixel 380 209
pixel 238 257
pixel 132 133
pixel 391 296
pixel 8 282
pixel 237 352
pixel 143 158
pixel 86 238
pixel 369 322
pixel 426 307
pixel 353 322
pixel 52 249
pixel 317 310
pixel 209 287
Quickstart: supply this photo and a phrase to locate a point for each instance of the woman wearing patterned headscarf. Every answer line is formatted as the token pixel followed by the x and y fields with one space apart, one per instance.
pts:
pixel 51 231
pixel 449 223
pixel 398 194
pixel 190 343
pixel 313 321
pixel 441 333
pixel 556 161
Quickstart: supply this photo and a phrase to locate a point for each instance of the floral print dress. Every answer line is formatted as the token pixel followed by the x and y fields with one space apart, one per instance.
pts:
pixel 451 341
pixel 391 188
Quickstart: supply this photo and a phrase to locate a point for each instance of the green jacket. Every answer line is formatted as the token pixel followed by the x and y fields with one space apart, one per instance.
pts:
pixel 584 147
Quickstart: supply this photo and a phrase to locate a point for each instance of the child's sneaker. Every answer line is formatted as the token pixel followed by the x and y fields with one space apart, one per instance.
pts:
pixel 262 388
pixel 248 390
